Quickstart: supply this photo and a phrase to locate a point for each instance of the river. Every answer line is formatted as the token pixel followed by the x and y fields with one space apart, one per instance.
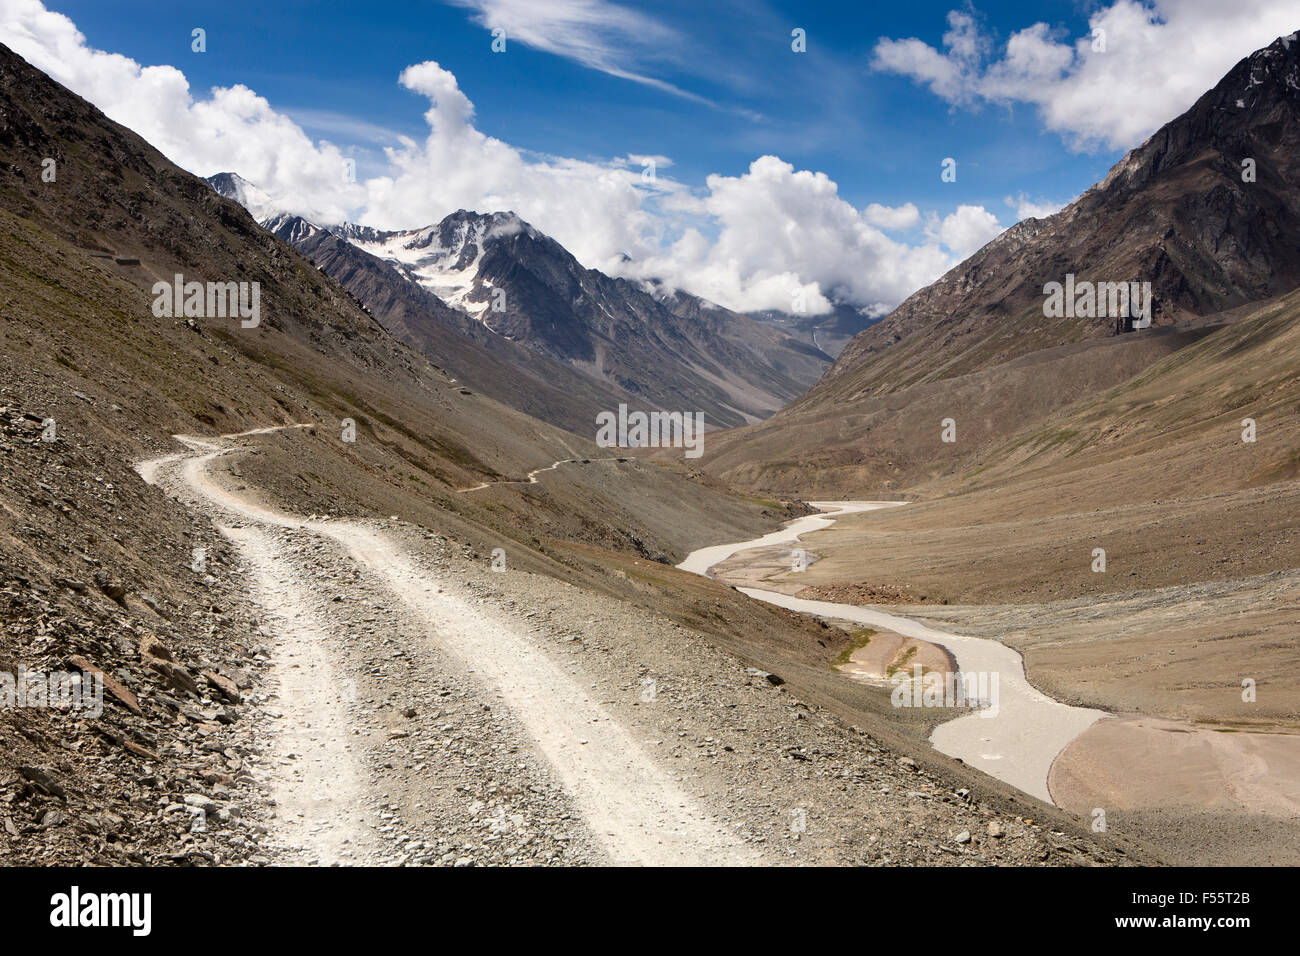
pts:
pixel 1015 742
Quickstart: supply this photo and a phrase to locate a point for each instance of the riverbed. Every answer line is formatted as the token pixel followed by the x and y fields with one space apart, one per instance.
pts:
pixel 1015 741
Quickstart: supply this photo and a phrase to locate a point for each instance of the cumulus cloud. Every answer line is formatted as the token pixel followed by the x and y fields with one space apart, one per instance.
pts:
pixel 596 210
pixel 1027 208
pixel 892 217
pixel 774 237
pixel 967 229
pixel 947 74
pixel 1084 89
pixel 786 236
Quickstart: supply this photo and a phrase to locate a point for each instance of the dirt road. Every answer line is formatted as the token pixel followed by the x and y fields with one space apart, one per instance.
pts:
pixel 532 475
pixel 634 809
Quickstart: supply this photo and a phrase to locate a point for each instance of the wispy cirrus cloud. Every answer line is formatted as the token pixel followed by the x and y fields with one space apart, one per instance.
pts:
pixel 328 121
pixel 595 33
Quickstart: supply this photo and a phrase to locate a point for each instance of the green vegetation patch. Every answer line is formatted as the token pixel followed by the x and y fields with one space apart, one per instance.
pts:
pixel 857 640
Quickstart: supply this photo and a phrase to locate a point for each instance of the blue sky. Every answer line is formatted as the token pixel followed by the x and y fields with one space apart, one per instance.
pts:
pixel 778 174
pixel 878 135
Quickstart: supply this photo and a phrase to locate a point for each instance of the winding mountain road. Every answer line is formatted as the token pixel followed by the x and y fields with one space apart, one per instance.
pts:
pixel 632 805
pixel 532 475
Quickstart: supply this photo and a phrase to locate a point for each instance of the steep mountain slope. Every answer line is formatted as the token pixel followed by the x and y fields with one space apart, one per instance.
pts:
pixel 1187 475
pixel 750 347
pixel 1185 481
pixel 1121 509
pixel 1164 469
pixel 883 444
pixel 523 287
pixel 1175 212
pixel 82 254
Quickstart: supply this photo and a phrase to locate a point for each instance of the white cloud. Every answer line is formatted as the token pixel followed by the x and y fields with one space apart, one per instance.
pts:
pixel 947 74
pixel 747 242
pixel 596 210
pixel 892 217
pixel 233 129
pixel 1027 208
pixel 967 229
pixel 1171 51
pixel 784 233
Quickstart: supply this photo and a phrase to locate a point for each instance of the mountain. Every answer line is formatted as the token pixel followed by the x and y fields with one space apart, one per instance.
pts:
pixel 1122 509
pixel 484 361
pixel 524 287
pixel 1180 212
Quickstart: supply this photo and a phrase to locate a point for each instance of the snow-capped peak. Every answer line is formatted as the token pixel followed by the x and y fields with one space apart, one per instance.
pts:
pixel 445 258
pixel 299 230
